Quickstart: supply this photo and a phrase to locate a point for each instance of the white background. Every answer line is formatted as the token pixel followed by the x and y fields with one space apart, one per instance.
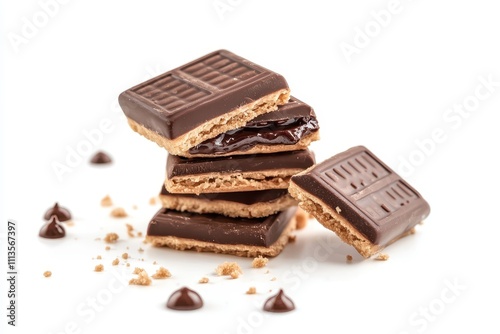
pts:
pixel 395 92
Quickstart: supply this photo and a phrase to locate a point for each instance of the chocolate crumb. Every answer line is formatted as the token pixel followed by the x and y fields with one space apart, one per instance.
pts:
pixel 292 238
pixel 106 201
pixel 118 213
pixel 229 269
pixel 279 303
pixel 162 273
pixel 259 262
pixel 382 257
pixel 251 291
pixel 142 278
pixel 184 299
pixel 348 258
pixel 111 238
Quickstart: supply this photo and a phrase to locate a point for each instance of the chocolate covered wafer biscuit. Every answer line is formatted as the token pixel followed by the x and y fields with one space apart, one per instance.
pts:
pixel 235 173
pixel 247 204
pixel 202 99
pixel 220 234
pixel 292 127
pixel 361 199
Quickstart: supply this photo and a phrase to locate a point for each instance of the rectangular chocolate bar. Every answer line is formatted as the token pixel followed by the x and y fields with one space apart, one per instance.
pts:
pixel 247 204
pixel 292 127
pixel 220 234
pixel 202 99
pixel 360 198
pixel 235 173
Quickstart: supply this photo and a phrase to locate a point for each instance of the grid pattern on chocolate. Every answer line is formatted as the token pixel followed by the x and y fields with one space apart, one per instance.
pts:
pixel 220 71
pixel 354 174
pixel 171 92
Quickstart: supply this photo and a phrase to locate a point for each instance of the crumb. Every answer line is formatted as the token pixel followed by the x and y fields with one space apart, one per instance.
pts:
pixel 115 262
pixel 229 268
pixel 338 210
pixel 99 268
pixel 152 200
pixel 128 264
pixel 47 273
pixel 118 213
pixel 154 262
pixel 413 230
pixel 130 228
pixel 142 259
pixel 292 238
pixel 97 239
pixel 106 201
pixel 162 273
pixel 140 250
pixel 99 257
pixel 259 262
pixel 144 241
pixel 203 280
pixel 251 291
pixel 267 271
pixel 301 218
pixel 142 278
pixel 70 223
pixel 382 257
pixel 134 207
pixel 348 258
pixel 111 238
pixel 273 279
pixel 137 270
pixel 139 234
pixel 107 248
pixel 125 256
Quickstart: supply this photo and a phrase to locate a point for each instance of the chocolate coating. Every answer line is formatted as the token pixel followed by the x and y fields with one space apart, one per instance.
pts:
pixel 184 299
pixel 279 303
pixel 179 100
pixel 60 212
pixel 372 197
pixel 243 197
pixel 286 126
pixel 52 229
pixel 220 229
pixel 179 166
pixel 100 158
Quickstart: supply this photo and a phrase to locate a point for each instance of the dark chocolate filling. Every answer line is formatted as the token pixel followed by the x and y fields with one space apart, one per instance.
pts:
pixel 276 132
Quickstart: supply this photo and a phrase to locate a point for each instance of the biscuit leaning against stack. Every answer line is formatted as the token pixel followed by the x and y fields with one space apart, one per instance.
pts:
pixel 235 137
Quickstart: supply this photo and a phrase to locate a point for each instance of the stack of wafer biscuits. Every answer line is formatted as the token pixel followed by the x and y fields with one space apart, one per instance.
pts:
pixel 234 138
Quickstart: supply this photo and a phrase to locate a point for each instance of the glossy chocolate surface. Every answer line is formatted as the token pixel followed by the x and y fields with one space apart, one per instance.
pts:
pixel 286 126
pixel 52 229
pixel 279 303
pixel 60 212
pixel 179 166
pixel 184 299
pixel 243 197
pixel 179 100
pixel 372 197
pixel 220 229
pixel 100 158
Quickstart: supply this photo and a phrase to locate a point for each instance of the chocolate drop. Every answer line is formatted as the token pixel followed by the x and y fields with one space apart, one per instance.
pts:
pixel 60 212
pixel 101 158
pixel 52 229
pixel 279 303
pixel 184 299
